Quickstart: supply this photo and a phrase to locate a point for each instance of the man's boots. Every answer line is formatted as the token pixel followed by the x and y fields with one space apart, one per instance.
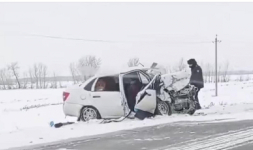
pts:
pixel 197 106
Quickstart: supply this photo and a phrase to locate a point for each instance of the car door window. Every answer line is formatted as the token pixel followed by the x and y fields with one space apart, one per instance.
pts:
pixel 132 76
pixel 131 79
pixel 144 79
pixel 110 83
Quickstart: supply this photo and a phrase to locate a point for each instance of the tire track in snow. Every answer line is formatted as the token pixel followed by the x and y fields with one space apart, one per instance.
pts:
pixel 238 145
pixel 226 141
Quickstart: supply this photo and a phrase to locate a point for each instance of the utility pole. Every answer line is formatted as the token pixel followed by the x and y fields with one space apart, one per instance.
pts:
pixel 216 64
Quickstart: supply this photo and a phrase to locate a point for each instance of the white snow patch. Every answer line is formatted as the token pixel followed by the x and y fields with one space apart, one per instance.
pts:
pixel 21 126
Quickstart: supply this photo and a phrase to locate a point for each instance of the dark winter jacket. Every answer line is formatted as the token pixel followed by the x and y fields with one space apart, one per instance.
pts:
pixel 197 77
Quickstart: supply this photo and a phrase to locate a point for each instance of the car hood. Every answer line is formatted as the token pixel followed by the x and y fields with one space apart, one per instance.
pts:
pixel 176 80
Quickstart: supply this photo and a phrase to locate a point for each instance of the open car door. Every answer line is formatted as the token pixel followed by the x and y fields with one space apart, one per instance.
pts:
pixel 146 98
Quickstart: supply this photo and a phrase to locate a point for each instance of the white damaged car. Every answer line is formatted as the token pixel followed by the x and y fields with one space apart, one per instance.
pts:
pixel 115 95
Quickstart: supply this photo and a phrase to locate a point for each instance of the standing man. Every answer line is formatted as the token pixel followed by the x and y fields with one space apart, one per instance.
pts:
pixel 196 78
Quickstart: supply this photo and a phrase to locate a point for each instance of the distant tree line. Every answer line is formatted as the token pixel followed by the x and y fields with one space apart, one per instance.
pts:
pixel 38 77
pixel 223 71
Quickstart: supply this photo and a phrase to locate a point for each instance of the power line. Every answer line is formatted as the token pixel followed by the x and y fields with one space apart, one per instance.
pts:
pixel 67 38
pixel 108 41
pixel 89 40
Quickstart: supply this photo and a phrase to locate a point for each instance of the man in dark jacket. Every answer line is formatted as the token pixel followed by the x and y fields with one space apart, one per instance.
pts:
pixel 196 78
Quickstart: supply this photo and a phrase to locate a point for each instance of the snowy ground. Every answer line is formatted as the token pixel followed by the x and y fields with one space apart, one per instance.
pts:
pixel 25 114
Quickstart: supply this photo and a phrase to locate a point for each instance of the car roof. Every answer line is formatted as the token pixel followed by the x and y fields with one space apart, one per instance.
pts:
pixel 124 70
pixel 115 72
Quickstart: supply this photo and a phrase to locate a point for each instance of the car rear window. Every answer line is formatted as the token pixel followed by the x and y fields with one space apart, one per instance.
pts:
pixel 89 85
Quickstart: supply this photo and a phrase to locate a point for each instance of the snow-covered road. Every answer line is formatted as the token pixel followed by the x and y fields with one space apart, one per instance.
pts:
pixel 173 136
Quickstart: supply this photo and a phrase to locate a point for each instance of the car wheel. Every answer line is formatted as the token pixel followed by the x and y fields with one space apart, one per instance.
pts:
pixel 163 108
pixel 89 113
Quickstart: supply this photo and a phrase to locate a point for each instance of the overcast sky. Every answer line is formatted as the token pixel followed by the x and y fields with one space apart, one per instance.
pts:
pixel 161 32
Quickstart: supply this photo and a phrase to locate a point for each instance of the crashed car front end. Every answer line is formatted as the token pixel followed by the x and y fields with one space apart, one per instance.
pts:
pixel 170 81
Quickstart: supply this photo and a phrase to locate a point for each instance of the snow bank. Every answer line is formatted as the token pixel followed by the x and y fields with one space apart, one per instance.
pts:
pixel 21 109
pixel 228 94
pixel 22 127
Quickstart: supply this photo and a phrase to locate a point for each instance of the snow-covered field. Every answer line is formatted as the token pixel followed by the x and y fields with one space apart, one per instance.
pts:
pixel 25 114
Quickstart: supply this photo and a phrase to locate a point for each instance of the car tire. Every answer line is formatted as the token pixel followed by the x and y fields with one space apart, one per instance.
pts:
pixel 163 108
pixel 88 113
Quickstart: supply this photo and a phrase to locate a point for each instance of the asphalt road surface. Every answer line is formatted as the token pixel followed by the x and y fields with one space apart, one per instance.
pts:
pixel 173 136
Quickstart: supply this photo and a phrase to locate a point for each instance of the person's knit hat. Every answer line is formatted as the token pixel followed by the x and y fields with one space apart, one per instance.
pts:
pixel 192 62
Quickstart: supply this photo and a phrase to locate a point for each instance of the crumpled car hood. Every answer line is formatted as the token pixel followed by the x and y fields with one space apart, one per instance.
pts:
pixel 176 81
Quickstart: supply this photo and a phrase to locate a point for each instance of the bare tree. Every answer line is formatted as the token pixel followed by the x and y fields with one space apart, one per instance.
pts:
pixel 39 73
pixel 60 84
pixel 180 66
pixel 247 78
pixel 169 69
pixel 74 73
pixel 36 75
pixel 13 67
pixel 6 78
pixel 54 82
pixel 219 73
pixel 31 77
pixel 88 66
pixel 25 80
pixel 9 79
pixel 240 78
pixel 3 78
pixel 44 75
pixel 163 69
pixel 133 62
pixel 208 73
pixel 225 76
